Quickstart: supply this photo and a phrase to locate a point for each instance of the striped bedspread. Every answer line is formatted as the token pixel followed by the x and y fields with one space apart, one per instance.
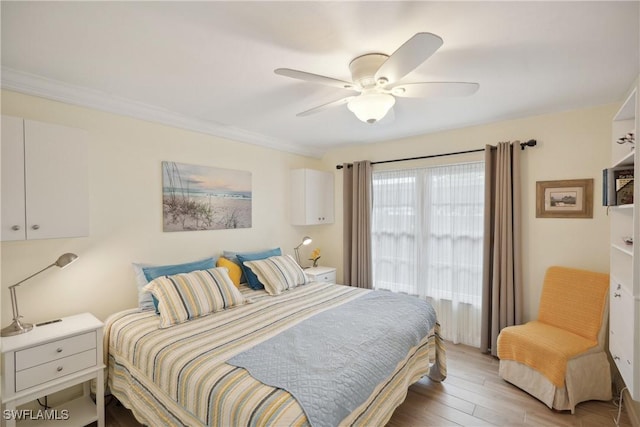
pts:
pixel 178 376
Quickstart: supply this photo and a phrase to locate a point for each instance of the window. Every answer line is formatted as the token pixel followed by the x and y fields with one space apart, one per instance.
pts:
pixel 427 240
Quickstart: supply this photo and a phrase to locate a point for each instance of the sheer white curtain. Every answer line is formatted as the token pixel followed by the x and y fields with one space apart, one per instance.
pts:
pixel 427 240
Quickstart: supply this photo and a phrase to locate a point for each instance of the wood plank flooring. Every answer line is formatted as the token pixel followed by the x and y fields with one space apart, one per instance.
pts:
pixel 472 395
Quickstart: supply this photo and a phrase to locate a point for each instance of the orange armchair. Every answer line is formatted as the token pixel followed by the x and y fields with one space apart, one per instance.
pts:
pixel 560 358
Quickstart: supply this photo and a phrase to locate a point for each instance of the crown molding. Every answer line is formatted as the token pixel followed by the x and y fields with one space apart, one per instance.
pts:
pixel 56 90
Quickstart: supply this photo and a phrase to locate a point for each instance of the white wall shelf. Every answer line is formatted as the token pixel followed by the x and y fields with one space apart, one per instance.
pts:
pixel 624 249
pixel 624 298
pixel 626 160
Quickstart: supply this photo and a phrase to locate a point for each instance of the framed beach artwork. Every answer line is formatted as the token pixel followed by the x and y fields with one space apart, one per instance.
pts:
pixel 564 199
pixel 204 198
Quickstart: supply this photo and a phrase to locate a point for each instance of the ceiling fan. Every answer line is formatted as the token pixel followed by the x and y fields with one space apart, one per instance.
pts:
pixel 376 77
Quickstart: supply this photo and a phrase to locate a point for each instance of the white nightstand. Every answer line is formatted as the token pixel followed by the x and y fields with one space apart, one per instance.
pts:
pixel 51 358
pixel 321 274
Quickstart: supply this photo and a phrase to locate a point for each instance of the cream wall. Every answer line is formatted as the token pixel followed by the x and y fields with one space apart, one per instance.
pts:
pixel 125 158
pixel 571 145
pixel 126 218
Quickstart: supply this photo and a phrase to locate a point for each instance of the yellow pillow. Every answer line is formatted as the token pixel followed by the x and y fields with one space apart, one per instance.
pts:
pixel 234 270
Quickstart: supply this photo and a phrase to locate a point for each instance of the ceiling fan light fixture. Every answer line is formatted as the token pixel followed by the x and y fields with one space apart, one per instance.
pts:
pixel 371 107
pixel 378 76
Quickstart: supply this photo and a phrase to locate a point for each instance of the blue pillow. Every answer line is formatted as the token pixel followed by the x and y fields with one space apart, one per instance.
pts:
pixel 233 257
pixel 151 272
pixel 252 279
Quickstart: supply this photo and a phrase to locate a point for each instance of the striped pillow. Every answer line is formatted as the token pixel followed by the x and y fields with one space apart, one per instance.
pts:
pixel 185 296
pixel 278 273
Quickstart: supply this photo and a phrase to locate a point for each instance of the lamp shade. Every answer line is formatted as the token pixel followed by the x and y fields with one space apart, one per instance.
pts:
pixel 65 259
pixel 371 107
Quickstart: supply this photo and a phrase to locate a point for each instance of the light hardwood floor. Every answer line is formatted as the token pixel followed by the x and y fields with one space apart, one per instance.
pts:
pixel 472 395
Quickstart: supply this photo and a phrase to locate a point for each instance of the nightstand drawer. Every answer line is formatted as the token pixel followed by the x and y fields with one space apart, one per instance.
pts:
pixel 58 368
pixel 327 277
pixel 321 274
pixel 37 355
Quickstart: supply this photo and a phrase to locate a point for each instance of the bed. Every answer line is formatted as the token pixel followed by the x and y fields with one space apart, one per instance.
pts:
pixel 181 376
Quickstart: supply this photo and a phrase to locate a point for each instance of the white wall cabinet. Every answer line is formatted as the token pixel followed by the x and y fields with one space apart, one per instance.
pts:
pixel 311 197
pixel 45 189
pixel 624 298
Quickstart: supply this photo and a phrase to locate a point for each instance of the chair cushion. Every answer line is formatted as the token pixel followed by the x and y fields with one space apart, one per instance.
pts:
pixel 542 347
pixel 574 300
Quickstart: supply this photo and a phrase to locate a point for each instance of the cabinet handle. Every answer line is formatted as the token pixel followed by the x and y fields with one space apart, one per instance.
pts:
pixel 35 226
pixel 15 228
pixel 59 350
pixel 616 358
pixel 616 295
pixel 618 287
pixel 59 369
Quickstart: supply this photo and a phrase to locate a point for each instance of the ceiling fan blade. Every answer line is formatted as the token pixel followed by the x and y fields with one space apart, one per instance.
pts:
pixel 325 106
pixel 434 89
pixel 412 53
pixel 314 78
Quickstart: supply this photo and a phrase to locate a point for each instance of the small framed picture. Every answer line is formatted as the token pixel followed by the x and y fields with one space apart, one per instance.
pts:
pixel 572 198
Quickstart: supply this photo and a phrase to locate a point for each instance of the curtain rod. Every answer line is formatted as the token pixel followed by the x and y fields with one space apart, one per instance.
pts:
pixel 523 145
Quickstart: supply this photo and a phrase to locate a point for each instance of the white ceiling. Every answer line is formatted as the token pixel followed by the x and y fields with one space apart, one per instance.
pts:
pixel 208 66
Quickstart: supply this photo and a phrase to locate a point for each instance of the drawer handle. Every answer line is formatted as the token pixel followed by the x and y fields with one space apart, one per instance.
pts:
pixel 616 357
pixel 628 362
pixel 59 350
pixel 59 369
pixel 35 227
pixel 616 295
pixel 15 228
pixel 618 287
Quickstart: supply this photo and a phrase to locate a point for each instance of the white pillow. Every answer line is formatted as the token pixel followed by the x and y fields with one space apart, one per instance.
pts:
pixel 186 296
pixel 278 273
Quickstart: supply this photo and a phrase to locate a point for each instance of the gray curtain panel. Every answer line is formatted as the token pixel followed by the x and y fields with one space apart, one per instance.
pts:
pixel 502 275
pixel 357 224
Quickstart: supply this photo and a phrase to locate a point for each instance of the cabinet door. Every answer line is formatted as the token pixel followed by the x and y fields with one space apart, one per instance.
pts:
pixel 326 210
pixel 13 200
pixel 311 197
pixel 314 195
pixel 56 180
pixel 319 197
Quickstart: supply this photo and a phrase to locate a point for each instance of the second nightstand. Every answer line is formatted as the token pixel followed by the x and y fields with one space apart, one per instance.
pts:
pixel 321 274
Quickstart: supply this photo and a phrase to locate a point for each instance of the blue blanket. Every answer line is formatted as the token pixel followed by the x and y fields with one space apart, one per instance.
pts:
pixel 332 362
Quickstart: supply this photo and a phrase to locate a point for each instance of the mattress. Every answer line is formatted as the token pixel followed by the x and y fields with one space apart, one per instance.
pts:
pixel 179 375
